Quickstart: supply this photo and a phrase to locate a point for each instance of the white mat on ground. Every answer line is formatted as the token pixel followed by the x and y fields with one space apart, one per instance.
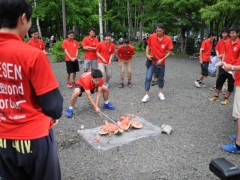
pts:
pixel 102 143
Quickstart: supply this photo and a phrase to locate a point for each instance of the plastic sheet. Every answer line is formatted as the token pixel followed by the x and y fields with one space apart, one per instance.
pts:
pixel 103 143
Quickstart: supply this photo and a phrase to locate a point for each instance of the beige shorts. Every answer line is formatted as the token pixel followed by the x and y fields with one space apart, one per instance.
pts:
pixel 236 103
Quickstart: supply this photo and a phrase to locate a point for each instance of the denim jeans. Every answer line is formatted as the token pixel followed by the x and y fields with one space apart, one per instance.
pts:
pixel 149 74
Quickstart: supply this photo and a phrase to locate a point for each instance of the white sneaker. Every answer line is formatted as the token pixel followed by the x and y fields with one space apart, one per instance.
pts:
pixel 161 96
pixel 145 98
pixel 198 83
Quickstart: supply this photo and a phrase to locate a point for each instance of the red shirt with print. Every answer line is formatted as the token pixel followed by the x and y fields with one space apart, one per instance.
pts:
pixel 237 73
pixel 86 81
pixel 126 52
pixel 37 43
pixel 105 50
pixel 72 47
pixel 232 51
pixel 159 47
pixel 206 49
pixel 220 47
pixel 25 74
pixel 91 42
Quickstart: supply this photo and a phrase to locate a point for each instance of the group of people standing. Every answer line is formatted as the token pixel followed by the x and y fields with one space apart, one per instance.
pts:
pixel 228 54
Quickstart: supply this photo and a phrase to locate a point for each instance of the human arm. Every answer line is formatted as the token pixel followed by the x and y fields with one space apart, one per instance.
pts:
pixel 100 56
pixel 89 96
pixel 68 55
pixel 169 52
pixel 52 103
pixel 148 51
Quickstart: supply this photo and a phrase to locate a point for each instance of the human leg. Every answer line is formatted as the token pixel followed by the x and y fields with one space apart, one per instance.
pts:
pixel 86 65
pixel 148 79
pixel 129 71
pixel 161 75
pixel 107 104
pixel 77 92
pixel 108 69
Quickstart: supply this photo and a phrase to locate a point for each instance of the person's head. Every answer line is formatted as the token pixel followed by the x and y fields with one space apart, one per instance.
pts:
pixel 92 32
pixel 224 33
pixel 234 33
pixel 70 34
pixel 212 35
pixel 125 42
pixel 96 75
pixel 160 29
pixel 108 37
pixel 15 15
pixel 34 33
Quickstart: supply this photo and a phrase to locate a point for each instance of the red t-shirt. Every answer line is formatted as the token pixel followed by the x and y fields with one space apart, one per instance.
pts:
pixel 91 42
pixel 106 50
pixel 220 47
pixel 158 47
pixel 71 46
pixel 126 52
pixel 25 73
pixel 86 81
pixel 232 52
pixel 206 49
pixel 237 73
pixel 38 43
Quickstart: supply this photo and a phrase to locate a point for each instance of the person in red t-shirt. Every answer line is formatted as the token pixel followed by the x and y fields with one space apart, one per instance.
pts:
pixel 89 44
pixel 90 82
pixel 235 67
pixel 30 100
pixel 159 48
pixel 35 41
pixel 71 47
pixel 105 51
pixel 204 58
pixel 125 53
pixel 223 75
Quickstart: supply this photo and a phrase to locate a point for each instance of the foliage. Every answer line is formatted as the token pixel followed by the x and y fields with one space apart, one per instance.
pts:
pixel 57 51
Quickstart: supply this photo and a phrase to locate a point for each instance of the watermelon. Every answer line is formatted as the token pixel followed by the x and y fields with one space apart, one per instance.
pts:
pixel 136 124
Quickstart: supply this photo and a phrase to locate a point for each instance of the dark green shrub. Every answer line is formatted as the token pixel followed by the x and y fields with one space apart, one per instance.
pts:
pixel 57 51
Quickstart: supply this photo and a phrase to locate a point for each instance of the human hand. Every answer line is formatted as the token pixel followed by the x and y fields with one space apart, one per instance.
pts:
pixel 159 61
pixel 149 57
pixel 97 109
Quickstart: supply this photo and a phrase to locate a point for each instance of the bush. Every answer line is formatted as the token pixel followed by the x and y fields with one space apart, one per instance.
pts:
pixel 58 52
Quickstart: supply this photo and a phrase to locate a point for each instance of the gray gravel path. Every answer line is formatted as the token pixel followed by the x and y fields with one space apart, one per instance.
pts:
pixel 200 127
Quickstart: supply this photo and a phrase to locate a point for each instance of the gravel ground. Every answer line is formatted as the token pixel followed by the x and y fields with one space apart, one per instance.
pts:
pixel 200 127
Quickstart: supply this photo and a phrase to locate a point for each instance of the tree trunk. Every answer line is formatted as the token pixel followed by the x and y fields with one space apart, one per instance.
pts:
pixel 37 21
pixel 64 19
pixel 100 19
pixel 141 25
pixel 129 20
pixel 182 39
pixel 105 21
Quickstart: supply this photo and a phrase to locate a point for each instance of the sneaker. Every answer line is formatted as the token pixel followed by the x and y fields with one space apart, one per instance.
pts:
pixel 129 84
pixel 231 148
pixel 224 101
pixel 153 83
pixel 106 84
pixel 233 137
pixel 145 98
pixel 202 84
pixel 121 85
pixel 73 83
pixel 214 98
pixel 69 113
pixel 161 96
pixel 198 83
pixel 109 106
pixel 69 85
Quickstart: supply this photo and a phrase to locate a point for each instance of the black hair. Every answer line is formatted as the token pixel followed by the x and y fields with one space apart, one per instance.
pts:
pixel 160 25
pixel 92 29
pixel 96 73
pixel 212 33
pixel 107 34
pixel 11 10
pixel 70 32
pixel 125 41
pixel 33 30
pixel 234 28
pixel 224 30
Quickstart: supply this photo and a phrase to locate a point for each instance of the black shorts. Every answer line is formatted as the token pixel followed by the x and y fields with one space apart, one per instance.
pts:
pixel 204 68
pixel 72 66
pixel 82 90
pixel 30 159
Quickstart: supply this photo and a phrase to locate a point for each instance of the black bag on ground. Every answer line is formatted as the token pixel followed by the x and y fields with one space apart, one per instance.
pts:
pixel 224 169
